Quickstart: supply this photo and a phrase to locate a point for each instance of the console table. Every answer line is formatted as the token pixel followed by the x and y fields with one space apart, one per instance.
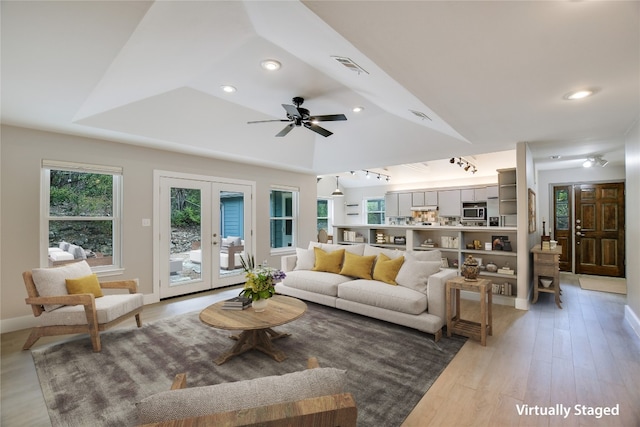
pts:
pixel 546 264
pixel 467 328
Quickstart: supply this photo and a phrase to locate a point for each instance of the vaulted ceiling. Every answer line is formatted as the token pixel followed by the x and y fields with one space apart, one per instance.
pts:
pixel 437 79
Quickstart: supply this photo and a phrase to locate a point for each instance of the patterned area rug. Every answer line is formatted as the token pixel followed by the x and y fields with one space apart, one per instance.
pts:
pixel 389 367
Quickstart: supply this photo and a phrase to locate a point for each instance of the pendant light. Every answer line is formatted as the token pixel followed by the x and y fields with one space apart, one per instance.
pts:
pixel 337 192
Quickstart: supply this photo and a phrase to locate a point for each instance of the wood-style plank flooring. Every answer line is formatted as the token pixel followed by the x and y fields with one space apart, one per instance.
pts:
pixel 584 354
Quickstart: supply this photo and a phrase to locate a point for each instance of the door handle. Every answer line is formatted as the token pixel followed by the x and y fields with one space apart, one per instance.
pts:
pixel 578 233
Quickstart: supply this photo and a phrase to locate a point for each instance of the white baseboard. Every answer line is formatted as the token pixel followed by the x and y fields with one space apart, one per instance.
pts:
pixel 632 319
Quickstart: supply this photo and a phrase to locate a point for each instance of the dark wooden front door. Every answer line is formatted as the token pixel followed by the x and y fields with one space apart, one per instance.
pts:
pixel 562 232
pixel 599 226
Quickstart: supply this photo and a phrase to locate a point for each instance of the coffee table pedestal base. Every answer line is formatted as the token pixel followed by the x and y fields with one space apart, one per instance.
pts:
pixel 258 339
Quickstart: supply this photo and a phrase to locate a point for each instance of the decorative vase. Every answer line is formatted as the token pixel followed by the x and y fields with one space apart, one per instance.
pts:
pixel 260 305
pixel 491 267
pixel 470 269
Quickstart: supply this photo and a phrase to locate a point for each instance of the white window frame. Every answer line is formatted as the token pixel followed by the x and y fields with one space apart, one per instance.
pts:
pixel 116 219
pixel 366 209
pixel 329 216
pixel 295 194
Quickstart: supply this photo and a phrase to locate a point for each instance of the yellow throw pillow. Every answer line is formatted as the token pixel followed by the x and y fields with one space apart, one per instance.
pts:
pixel 387 269
pixel 85 285
pixel 357 266
pixel 331 262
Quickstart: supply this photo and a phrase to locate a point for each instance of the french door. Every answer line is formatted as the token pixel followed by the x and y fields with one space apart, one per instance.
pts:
pixel 204 227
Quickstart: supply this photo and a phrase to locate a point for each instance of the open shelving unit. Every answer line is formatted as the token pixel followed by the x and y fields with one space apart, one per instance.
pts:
pixel 452 243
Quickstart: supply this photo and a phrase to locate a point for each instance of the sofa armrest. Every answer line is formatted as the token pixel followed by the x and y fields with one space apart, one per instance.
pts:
pixel 288 262
pixel 436 297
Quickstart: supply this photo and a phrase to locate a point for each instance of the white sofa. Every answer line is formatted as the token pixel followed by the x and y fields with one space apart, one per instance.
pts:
pixel 417 301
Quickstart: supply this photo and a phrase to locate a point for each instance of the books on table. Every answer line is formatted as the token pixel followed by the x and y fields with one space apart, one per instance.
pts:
pixel 236 303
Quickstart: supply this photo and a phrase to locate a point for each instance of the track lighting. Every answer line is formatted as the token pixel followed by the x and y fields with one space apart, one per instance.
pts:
pixel 465 164
pixel 378 177
pixel 595 161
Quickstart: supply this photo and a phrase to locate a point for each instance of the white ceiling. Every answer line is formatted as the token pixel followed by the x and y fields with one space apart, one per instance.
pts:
pixel 487 74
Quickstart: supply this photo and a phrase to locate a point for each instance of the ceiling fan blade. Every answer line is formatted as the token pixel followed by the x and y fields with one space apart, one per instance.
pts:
pixel 328 118
pixel 291 110
pixel 286 130
pixel 267 121
pixel 317 129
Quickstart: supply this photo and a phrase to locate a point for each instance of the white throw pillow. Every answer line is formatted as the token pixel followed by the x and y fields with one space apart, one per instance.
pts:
pixel 414 274
pixel 391 253
pixel 52 281
pixel 306 259
pixel 426 255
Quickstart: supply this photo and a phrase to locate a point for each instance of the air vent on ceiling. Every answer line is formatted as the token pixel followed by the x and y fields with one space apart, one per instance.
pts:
pixel 420 114
pixel 349 64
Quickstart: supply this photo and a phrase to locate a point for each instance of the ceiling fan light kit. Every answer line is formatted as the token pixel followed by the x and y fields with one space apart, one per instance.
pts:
pixel 298 116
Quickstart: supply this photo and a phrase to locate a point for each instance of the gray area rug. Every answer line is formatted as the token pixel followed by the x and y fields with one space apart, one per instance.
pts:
pixel 389 367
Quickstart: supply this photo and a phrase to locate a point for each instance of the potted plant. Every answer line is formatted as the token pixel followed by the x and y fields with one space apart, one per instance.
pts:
pixel 261 279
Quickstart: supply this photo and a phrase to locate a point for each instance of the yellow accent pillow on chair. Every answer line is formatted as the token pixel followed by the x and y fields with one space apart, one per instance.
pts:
pixel 387 269
pixel 85 285
pixel 331 262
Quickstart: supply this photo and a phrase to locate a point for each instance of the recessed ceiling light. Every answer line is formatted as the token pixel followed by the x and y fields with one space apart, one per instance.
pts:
pixel 579 94
pixel 555 157
pixel 228 88
pixel 357 109
pixel 271 64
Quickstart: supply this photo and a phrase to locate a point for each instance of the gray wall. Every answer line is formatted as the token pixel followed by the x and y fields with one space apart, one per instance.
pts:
pixel 632 165
pixel 22 151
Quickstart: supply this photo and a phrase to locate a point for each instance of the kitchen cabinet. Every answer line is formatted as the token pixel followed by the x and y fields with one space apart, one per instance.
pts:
pixel 417 198
pixel 492 192
pixel 473 194
pixel 391 205
pixel 404 204
pixel 449 203
pixel 431 198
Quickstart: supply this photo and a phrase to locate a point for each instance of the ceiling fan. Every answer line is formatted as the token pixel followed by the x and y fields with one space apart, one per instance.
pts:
pixel 299 116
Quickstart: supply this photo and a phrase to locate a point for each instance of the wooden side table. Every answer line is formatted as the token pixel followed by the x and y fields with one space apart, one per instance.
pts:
pixel 467 328
pixel 546 263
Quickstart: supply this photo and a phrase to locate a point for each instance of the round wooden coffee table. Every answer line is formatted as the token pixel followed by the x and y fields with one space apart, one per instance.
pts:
pixel 257 332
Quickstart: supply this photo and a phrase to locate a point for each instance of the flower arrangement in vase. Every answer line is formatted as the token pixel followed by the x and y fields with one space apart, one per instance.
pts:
pixel 260 280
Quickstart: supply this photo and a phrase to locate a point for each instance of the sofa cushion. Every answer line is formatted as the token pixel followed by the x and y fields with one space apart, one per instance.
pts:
pixel 386 269
pixel 52 281
pixel 198 401
pixel 357 266
pixel 391 253
pixel 305 259
pixel 331 262
pixel 414 274
pixel 315 281
pixel 425 255
pixel 380 294
pixel 327 247
pixel 108 308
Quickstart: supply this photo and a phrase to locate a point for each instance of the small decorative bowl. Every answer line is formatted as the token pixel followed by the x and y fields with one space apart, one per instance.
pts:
pixel 546 282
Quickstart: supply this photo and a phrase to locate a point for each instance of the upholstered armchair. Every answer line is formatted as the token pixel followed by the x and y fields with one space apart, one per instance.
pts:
pixel 69 300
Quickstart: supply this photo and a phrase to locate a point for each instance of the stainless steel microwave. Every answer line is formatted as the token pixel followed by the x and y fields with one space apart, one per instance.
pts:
pixel 475 213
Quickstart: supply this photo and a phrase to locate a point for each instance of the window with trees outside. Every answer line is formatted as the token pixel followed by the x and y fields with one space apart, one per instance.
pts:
pixel 375 211
pixel 283 207
pixel 81 214
pixel 323 218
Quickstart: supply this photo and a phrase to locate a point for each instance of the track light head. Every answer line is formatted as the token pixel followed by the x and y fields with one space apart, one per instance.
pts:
pixel 452 160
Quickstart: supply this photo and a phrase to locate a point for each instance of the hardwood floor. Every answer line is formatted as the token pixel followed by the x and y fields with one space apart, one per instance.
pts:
pixel 584 354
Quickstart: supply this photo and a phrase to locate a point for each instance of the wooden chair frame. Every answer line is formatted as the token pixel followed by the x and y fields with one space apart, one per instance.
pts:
pixel 93 328
pixel 326 411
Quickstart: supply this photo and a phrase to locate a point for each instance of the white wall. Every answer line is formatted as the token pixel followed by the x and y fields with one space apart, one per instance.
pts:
pixel 22 151
pixel 632 165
